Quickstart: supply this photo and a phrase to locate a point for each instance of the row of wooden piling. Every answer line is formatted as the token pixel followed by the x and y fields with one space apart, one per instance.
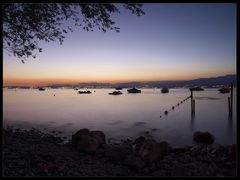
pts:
pixel 230 103
pixel 173 107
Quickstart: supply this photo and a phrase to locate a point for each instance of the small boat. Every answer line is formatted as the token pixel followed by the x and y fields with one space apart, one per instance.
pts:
pixel 134 90
pixel 196 89
pixel 118 88
pixel 41 89
pixel 84 92
pixel 224 90
pixel 164 90
pixel 115 93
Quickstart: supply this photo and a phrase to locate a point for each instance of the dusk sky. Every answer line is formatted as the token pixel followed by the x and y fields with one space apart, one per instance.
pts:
pixel 169 42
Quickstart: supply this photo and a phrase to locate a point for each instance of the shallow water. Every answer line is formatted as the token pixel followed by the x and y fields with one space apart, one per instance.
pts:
pixel 123 116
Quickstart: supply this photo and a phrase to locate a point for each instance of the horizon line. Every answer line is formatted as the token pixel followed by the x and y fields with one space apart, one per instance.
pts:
pixel 131 81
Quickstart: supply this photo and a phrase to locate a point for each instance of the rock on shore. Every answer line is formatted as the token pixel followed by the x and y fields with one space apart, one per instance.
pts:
pixel 87 141
pixel 32 153
pixel 203 137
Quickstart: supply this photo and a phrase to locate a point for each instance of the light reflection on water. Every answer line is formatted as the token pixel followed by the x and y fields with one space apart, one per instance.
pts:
pixel 123 116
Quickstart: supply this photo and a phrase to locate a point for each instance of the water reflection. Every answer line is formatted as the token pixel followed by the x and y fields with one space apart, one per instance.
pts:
pixel 230 123
pixel 125 116
pixel 192 114
pixel 192 120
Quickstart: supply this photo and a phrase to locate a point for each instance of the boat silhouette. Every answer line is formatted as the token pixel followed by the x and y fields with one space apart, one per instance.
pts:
pixel 41 89
pixel 164 90
pixel 134 90
pixel 224 90
pixel 115 93
pixel 84 92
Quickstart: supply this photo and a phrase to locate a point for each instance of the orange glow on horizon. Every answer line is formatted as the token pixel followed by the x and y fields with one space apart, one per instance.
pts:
pixel 13 81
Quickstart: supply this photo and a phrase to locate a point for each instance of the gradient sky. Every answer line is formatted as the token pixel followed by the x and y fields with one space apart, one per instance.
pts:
pixel 170 42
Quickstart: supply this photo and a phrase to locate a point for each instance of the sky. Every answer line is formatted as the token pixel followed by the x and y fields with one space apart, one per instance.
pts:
pixel 170 42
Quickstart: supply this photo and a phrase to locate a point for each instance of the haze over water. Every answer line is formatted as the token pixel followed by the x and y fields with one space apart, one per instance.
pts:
pixel 124 116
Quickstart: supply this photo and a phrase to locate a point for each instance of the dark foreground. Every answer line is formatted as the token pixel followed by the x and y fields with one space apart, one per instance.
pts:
pixel 32 153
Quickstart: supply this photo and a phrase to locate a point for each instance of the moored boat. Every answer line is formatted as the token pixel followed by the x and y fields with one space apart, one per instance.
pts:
pixel 164 90
pixel 134 90
pixel 115 93
pixel 84 92
pixel 224 90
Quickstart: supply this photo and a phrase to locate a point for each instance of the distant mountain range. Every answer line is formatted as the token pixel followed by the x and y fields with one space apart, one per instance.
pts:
pixel 203 82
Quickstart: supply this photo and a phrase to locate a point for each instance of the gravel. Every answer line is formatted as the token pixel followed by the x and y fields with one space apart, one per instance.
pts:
pixel 33 153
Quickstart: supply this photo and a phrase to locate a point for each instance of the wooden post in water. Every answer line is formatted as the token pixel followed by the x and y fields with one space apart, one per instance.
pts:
pixel 191 101
pixel 191 94
pixel 231 98
pixel 194 106
pixel 229 106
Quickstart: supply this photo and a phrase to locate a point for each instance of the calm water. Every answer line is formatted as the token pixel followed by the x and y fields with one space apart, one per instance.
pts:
pixel 124 116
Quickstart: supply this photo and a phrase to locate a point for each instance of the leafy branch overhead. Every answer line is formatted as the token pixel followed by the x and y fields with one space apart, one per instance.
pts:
pixel 25 24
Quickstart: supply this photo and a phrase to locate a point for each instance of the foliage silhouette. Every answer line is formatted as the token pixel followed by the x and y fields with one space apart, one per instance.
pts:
pixel 25 24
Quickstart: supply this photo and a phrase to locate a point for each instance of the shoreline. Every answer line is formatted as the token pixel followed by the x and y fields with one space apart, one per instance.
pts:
pixel 33 153
pixel 66 135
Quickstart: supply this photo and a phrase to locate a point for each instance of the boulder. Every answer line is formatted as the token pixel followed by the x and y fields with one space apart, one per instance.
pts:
pixel 148 152
pixel 118 153
pixel 99 135
pixel 151 151
pixel 79 135
pixel 87 144
pixel 88 141
pixel 203 137
pixel 138 143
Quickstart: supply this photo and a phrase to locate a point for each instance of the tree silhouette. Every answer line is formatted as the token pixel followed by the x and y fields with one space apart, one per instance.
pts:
pixel 25 24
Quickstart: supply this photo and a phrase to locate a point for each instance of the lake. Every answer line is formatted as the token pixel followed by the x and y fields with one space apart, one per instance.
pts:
pixel 123 116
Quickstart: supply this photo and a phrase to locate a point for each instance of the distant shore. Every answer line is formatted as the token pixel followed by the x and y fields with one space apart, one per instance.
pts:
pixel 33 153
pixel 206 82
